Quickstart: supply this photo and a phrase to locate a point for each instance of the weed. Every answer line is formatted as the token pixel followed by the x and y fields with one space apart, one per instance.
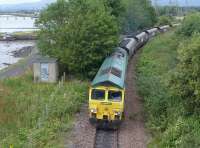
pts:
pixel 33 114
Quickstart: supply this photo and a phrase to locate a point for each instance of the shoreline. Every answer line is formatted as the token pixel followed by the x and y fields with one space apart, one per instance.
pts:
pixel 18 53
pixel 32 35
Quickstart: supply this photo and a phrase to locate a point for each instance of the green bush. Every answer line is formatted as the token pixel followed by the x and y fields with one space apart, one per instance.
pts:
pixel 164 20
pixel 156 60
pixel 190 25
pixel 184 133
pixel 185 82
pixel 168 79
pixel 35 115
pixel 139 14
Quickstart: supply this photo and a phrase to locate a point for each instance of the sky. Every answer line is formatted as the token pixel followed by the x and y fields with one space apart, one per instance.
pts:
pixel 17 1
pixel 180 2
pixel 160 2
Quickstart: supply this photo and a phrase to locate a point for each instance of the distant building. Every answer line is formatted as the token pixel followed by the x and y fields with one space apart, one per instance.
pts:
pixel 45 70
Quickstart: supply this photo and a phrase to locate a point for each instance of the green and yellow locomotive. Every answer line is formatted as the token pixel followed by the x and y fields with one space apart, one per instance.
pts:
pixel 107 91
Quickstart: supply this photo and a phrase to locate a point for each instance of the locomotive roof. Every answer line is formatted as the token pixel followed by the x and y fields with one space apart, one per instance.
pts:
pixel 112 71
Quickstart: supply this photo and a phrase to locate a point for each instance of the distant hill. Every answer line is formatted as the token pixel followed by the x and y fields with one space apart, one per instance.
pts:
pixel 25 6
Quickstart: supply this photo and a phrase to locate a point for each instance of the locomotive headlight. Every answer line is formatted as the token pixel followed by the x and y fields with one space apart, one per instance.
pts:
pixel 93 110
pixel 118 113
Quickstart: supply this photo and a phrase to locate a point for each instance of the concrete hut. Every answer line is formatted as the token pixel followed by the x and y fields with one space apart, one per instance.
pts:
pixel 45 69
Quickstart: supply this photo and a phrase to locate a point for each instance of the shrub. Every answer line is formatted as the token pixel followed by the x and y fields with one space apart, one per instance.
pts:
pixel 190 25
pixel 185 82
pixel 164 20
pixel 156 60
pixel 183 133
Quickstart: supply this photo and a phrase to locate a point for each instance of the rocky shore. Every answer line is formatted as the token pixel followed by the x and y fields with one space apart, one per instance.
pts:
pixel 12 51
pixel 23 52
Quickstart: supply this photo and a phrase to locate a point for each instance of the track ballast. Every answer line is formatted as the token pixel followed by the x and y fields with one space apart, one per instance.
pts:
pixel 106 139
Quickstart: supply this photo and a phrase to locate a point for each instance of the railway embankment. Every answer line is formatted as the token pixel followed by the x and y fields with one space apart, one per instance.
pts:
pixel 167 80
pixel 156 60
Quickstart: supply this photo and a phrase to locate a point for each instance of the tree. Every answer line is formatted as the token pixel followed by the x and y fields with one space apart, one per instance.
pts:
pixel 139 15
pixel 116 7
pixel 80 33
pixel 185 81
pixel 164 20
pixel 190 25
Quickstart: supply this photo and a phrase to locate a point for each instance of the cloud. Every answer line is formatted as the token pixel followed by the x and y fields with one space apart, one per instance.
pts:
pixel 17 1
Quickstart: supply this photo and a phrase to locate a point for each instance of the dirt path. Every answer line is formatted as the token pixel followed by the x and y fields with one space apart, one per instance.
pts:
pixel 132 132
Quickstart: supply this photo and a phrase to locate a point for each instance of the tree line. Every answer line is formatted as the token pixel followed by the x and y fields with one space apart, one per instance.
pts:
pixel 81 33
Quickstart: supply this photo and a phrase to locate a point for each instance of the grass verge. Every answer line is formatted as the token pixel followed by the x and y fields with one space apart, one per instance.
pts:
pixel 35 115
pixel 156 60
pixel 170 124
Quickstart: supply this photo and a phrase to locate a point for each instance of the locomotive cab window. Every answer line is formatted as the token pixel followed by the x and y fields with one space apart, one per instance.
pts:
pixel 114 95
pixel 98 94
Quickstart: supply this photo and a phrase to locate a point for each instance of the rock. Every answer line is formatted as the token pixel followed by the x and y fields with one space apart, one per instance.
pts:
pixel 23 52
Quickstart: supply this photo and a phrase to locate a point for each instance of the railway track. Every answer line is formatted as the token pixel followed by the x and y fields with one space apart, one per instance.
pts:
pixel 106 139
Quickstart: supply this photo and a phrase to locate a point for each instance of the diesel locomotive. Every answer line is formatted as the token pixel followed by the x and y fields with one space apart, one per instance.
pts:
pixel 107 91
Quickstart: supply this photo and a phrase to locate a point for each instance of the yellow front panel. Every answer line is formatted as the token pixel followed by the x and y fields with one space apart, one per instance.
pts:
pixel 106 107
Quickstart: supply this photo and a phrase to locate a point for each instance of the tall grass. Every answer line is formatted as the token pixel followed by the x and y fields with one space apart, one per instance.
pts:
pixel 33 114
pixel 157 58
pixel 166 118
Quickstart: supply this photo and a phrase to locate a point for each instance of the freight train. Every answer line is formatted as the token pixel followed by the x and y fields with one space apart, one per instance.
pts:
pixel 107 91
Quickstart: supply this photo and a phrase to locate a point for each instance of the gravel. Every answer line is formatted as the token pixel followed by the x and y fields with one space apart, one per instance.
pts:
pixel 132 133
pixel 83 133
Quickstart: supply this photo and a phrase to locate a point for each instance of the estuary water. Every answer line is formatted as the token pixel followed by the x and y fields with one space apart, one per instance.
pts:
pixel 6 48
pixel 10 24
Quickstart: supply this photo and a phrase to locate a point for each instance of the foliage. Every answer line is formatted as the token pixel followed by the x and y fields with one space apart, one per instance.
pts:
pixel 168 79
pixel 157 58
pixel 184 133
pixel 139 15
pixel 116 7
pixel 80 33
pixel 190 25
pixel 164 20
pixel 35 115
pixel 185 82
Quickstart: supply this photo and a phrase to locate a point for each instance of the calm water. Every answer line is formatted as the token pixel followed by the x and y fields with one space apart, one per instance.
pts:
pixel 10 24
pixel 16 23
pixel 7 47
